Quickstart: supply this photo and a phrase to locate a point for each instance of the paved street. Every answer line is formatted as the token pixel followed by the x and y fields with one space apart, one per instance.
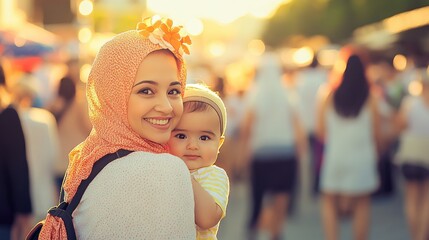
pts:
pixel 388 220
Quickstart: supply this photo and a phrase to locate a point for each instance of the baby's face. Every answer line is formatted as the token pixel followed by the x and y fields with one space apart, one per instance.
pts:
pixel 197 139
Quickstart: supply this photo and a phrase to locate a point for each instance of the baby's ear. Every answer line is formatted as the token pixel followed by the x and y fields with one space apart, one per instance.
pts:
pixel 221 140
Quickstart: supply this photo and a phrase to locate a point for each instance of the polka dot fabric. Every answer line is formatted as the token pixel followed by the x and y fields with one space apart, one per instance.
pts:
pixel 108 89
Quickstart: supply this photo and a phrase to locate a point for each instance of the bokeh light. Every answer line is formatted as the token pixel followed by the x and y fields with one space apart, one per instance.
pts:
pixel 19 42
pixel 400 62
pixel 84 72
pixel 194 26
pixel 85 35
pixel 327 57
pixel 303 56
pixel 216 48
pixel 415 88
pixel 86 7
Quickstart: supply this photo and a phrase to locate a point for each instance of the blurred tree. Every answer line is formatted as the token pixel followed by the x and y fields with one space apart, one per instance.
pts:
pixel 335 19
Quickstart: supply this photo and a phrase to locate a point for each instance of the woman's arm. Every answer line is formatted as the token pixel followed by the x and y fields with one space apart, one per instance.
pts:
pixel 300 140
pixel 375 123
pixel 400 121
pixel 245 133
pixel 207 212
pixel 323 100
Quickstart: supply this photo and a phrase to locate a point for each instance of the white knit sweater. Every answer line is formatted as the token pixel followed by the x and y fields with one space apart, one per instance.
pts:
pixel 140 196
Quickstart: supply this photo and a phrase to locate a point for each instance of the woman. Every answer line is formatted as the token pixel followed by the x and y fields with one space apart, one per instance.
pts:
pixel 134 94
pixel 348 126
pixel 413 158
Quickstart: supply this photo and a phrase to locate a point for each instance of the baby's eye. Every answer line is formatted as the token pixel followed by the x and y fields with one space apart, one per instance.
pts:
pixel 205 138
pixel 146 91
pixel 174 92
pixel 180 136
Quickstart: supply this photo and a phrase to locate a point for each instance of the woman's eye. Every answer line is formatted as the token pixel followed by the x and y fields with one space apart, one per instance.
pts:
pixel 145 91
pixel 180 136
pixel 174 92
pixel 205 138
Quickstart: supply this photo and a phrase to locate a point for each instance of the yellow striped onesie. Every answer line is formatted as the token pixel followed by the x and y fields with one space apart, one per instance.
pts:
pixel 215 181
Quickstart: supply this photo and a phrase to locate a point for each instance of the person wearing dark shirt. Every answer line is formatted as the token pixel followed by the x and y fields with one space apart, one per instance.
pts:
pixel 15 202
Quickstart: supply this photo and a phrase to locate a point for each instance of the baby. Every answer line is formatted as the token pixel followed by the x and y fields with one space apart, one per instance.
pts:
pixel 196 140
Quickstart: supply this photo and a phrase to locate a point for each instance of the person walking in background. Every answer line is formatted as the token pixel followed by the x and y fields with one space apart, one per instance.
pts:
pixel 66 95
pixel 70 109
pixel 231 158
pixel 413 158
pixel 308 81
pixel 275 143
pixel 134 93
pixel 348 125
pixel 387 90
pixel 197 139
pixel 41 140
pixel 15 201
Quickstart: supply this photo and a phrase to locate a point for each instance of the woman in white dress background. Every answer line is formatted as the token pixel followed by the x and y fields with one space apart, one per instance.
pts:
pixel 348 125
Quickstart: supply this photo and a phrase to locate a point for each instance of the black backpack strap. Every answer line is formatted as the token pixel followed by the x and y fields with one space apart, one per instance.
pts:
pixel 64 210
pixel 61 212
pixel 98 166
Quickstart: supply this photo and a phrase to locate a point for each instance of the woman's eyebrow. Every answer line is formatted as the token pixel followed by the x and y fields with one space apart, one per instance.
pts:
pixel 176 83
pixel 146 81
pixel 156 83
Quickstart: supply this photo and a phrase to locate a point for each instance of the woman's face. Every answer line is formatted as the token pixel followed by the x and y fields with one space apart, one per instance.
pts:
pixel 155 104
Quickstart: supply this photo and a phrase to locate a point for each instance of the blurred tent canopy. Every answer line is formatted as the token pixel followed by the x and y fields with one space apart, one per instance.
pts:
pixel 25 45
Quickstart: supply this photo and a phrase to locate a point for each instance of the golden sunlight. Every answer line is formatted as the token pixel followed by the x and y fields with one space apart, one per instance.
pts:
pixel 84 72
pixel 216 48
pixel 194 26
pixel 256 47
pixel 222 11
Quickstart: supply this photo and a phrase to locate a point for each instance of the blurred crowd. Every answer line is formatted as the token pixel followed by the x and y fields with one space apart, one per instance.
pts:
pixel 359 123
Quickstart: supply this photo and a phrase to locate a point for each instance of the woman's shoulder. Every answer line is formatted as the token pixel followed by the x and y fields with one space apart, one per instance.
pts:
pixel 159 156
pixel 150 160
pixel 141 166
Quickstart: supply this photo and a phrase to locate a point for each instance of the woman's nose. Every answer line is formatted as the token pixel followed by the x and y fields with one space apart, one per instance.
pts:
pixel 164 105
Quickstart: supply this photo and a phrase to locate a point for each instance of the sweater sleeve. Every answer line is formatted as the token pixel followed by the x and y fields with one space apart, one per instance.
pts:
pixel 17 164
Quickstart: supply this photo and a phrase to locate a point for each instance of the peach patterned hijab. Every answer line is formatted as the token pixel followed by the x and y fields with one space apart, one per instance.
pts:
pixel 108 89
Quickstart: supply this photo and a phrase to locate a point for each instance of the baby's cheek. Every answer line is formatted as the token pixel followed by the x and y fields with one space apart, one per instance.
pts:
pixel 174 148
